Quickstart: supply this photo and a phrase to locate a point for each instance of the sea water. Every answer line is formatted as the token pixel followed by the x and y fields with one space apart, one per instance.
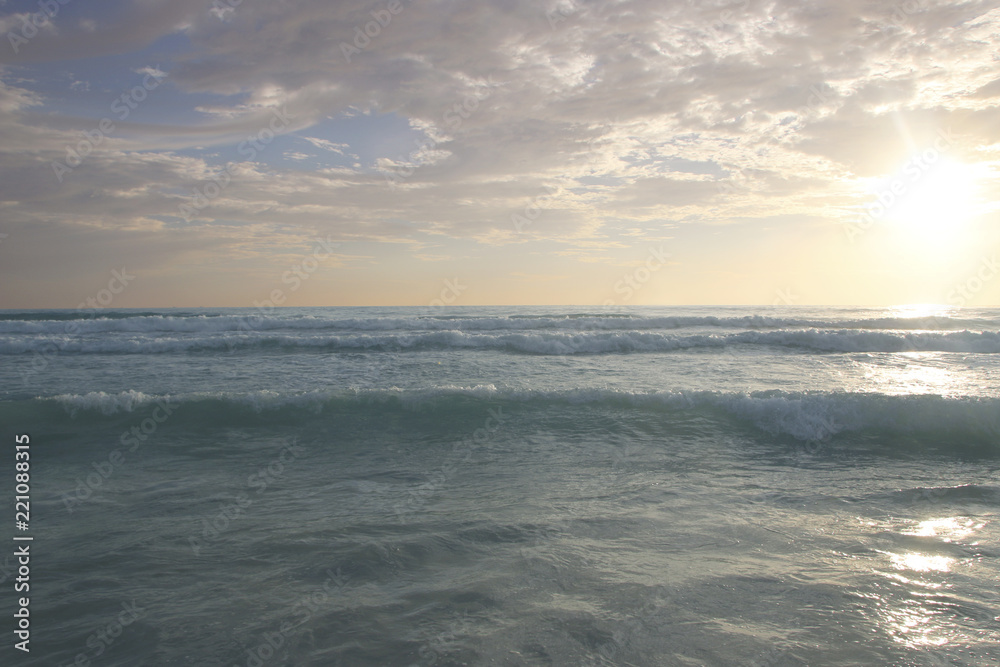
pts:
pixel 506 486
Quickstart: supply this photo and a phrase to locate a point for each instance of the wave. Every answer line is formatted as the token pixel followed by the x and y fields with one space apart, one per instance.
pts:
pixel 80 314
pixel 253 323
pixel 965 493
pixel 93 322
pixel 807 417
pixel 548 343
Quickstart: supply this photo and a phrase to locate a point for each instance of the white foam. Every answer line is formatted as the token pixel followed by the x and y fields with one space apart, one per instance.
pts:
pixel 804 416
pixel 259 323
pixel 545 343
pixel 107 404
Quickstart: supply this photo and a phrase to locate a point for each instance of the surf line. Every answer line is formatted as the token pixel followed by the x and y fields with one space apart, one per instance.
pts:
pixel 293 277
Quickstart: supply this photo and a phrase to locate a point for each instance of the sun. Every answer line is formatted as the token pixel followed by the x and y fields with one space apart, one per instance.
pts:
pixel 932 199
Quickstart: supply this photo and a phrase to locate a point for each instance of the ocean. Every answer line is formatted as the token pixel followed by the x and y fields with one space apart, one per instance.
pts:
pixel 654 486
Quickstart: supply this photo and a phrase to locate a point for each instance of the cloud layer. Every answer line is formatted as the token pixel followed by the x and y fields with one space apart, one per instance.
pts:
pixel 585 131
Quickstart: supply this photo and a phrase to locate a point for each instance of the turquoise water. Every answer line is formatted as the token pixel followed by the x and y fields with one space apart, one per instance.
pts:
pixel 509 486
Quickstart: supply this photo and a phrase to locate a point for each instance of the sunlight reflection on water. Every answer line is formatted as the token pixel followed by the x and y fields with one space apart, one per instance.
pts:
pixel 916 608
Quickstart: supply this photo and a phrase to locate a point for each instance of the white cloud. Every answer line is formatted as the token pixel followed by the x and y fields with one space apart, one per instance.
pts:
pixel 784 101
pixel 327 145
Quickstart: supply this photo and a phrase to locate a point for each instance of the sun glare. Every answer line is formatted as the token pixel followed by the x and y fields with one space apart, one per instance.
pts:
pixel 921 562
pixel 933 200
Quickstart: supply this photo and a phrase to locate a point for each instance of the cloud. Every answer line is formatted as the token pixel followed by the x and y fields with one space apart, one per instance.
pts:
pixel 637 113
pixel 327 145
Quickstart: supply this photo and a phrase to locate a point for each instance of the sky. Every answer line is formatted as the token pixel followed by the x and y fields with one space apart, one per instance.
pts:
pixel 255 153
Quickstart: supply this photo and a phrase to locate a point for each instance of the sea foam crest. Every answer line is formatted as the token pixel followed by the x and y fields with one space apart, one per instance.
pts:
pixel 803 416
pixel 94 322
pixel 543 343
pixel 107 404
